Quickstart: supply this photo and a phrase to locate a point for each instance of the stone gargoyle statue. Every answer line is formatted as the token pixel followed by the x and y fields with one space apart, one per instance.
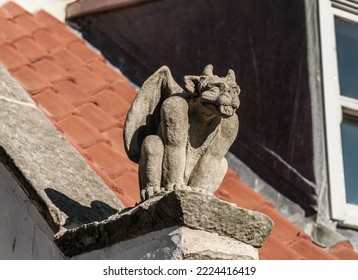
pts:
pixel 180 137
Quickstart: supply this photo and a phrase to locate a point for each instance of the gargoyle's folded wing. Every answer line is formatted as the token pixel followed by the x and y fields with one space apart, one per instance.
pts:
pixel 143 117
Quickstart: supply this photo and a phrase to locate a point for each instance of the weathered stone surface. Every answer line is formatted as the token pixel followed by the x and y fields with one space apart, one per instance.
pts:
pixel 206 212
pixel 180 137
pixel 195 210
pixel 65 190
pixel 175 243
pixel 202 245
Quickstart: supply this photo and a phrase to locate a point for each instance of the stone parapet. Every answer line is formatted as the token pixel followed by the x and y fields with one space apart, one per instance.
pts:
pixel 201 217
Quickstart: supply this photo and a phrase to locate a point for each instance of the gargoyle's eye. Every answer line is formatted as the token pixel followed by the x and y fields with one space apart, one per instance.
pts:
pixel 212 87
pixel 235 90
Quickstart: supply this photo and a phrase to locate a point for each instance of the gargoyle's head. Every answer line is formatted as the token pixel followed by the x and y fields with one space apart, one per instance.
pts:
pixel 217 95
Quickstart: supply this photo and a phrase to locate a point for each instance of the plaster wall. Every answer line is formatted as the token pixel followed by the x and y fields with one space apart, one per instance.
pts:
pixel 24 234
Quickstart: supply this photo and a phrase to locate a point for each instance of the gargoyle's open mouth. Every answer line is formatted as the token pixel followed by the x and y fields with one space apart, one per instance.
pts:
pixel 226 110
pixel 219 109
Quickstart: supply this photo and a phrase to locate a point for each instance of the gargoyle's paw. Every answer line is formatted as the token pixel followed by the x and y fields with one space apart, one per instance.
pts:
pixel 157 191
pixel 147 193
pixel 143 194
pixel 170 188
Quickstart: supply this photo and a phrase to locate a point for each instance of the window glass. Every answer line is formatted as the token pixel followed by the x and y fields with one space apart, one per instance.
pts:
pixel 349 130
pixel 347 53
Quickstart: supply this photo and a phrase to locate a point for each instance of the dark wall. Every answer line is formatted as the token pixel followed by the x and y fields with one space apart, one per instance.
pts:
pixel 263 41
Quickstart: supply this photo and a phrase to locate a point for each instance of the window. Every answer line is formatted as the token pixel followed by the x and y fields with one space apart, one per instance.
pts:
pixel 339 43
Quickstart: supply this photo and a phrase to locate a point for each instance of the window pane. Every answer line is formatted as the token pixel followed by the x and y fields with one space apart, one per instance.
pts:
pixel 347 52
pixel 349 129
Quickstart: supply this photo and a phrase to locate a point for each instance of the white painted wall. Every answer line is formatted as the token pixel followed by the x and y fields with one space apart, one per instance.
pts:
pixel 24 234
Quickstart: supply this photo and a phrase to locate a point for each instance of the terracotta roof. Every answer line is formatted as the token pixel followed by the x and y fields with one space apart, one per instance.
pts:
pixel 87 100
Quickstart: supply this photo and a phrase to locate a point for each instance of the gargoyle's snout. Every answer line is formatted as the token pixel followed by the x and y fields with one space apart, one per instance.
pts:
pixel 229 98
pixel 235 103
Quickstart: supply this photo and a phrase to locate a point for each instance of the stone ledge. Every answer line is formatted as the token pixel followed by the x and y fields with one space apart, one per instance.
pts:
pixel 56 178
pixel 179 208
pixel 202 245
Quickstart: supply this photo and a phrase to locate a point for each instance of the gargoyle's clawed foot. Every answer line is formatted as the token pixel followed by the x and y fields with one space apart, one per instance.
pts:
pixel 150 192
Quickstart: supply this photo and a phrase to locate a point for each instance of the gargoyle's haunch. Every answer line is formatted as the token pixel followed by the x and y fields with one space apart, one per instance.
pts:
pixel 180 137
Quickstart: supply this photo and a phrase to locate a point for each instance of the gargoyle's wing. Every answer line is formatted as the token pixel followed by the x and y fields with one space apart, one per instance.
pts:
pixel 143 117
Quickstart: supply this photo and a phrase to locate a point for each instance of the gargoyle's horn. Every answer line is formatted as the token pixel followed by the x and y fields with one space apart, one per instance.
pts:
pixel 231 75
pixel 208 70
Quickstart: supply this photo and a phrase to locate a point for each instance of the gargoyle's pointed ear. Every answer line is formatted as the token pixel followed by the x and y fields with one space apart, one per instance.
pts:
pixel 231 75
pixel 191 84
pixel 208 70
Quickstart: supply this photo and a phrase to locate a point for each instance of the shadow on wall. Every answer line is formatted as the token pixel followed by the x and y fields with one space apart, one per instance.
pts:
pixel 77 213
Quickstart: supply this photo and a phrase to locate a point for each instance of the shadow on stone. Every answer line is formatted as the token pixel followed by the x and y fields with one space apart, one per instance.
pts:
pixel 77 213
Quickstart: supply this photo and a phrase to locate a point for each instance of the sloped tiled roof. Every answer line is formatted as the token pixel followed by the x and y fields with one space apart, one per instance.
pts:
pixel 87 100
pixel 73 85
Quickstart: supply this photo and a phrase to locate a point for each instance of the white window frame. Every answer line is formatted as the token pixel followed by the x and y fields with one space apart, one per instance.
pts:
pixel 335 105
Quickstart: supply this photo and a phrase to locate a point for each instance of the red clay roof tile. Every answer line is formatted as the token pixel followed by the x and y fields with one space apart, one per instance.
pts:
pixel 51 70
pixel 52 105
pixel 63 34
pixel 98 117
pixel 11 58
pixel 66 59
pixel 71 92
pixel 88 81
pixel 309 250
pixel 125 90
pixel 3 41
pixel 231 173
pixel 233 190
pixel 344 251
pixel 79 131
pixel 127 185
pixel 10 31
pixel 31 80
pixel 4 13
pixel 13 9
pixel 46 40
pixel 30 49
pixel 104 70
pixel 84 52
pixel 28 23
pixel 46 19
pixel 283 230
pixel 108 161
pixel 112 103
pixel 274 249
pixel 115 136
